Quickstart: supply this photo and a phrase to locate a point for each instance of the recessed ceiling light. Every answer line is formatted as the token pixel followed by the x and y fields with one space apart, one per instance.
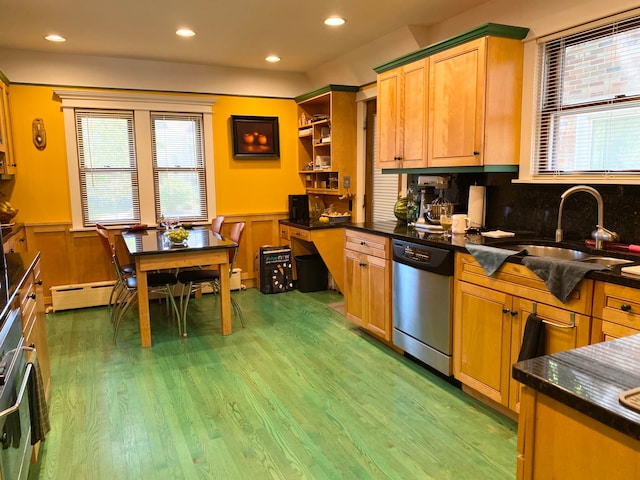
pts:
pixel 55 38
pixel 273 59
pixel 334 21
pixel 185 32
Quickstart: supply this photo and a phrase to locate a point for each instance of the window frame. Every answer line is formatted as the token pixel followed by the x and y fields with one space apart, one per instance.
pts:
pixel 530 103
pixel 142 105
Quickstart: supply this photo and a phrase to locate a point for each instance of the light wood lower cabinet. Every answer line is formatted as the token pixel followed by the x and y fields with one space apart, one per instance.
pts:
pixel 616 312
pixel 489 325
pixel 556 441
pixel 30 296
pixel 17 242
pixel 368 282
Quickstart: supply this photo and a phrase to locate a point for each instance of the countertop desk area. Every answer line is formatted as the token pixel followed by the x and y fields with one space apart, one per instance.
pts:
pixel 151 250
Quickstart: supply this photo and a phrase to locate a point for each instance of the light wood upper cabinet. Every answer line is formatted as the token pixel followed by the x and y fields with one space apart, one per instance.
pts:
pixel 402 116
pixel 475 92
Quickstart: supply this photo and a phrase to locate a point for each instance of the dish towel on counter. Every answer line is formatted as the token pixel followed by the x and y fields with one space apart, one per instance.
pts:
pixel 560 276
pixel 533 338
pixel 490 258
pixel 38 409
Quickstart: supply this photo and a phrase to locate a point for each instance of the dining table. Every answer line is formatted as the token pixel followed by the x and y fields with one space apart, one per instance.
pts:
pixel 152 250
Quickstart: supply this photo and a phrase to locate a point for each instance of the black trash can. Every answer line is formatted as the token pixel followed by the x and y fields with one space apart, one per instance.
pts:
pixel 312 273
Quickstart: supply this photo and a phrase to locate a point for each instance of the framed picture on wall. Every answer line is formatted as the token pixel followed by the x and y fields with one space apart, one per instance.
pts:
pixel 255 137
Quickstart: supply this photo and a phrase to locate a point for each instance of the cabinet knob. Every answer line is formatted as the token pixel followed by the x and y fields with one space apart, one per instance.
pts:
pixel 39 282
pixel 363 264
pixel 32 296
pixel 505 310
pixel 513 313
pixel 363 243
pixel 625 307
pixel 476 153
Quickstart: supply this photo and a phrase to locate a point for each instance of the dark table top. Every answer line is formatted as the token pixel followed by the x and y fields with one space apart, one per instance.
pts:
pixel 149 242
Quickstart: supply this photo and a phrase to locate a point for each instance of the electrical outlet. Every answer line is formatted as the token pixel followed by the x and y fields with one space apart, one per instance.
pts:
pixel 346 182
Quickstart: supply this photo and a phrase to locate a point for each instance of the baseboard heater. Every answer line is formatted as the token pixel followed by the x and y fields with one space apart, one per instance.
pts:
pixel 68 297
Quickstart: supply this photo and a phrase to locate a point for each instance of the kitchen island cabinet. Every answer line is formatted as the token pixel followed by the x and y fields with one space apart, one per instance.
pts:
pixel 571 423
pixel 368 282
pixel 402 116
pixel 490 314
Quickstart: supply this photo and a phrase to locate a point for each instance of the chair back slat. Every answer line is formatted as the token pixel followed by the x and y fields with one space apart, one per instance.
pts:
pixel 235 235
pixel 216 224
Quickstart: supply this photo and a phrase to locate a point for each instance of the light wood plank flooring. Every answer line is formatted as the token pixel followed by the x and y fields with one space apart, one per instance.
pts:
pixel 300 393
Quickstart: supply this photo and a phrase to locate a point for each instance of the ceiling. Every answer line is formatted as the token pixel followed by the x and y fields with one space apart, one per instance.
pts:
pixel 232 33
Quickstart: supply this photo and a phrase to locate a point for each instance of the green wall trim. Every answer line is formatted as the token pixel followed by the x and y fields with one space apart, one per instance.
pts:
pixel 436 170
pixel 488 29
pixel 326 89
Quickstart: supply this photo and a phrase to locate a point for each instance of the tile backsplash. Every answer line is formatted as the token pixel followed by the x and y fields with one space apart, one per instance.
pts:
pixel 534 207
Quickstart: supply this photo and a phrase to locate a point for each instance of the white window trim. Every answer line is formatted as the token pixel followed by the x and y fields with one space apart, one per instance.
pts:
pixel 142 105
pixel 529 105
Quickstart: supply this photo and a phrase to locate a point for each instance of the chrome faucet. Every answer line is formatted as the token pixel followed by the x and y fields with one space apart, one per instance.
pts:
pixel 600 234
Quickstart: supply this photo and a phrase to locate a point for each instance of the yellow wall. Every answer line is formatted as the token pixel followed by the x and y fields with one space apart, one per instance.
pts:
pixel 41 187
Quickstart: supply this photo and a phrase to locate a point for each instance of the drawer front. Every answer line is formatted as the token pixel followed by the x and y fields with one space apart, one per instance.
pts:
pixel 300 234
pixel 284 232
pixel 617 304
pixel 375 245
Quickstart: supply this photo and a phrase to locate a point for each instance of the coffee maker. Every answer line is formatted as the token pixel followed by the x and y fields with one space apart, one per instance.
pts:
pixel 431 194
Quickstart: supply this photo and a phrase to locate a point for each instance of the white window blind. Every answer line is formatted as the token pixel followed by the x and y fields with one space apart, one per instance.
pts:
pixel 107 162
pixel 178 166
pixel 588 115
pixel 385 187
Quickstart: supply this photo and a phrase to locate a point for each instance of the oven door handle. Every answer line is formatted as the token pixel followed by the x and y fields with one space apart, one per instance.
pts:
pixel 23 387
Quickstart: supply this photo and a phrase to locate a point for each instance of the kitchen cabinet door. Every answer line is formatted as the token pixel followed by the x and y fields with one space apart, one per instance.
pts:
pixel 564 330
pixel 456 96
pixel 368 283
pixel 402 116
pixel 482 340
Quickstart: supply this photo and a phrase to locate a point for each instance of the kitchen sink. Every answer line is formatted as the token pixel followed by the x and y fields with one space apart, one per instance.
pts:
pixel 606 261
pixel 550 251
pixel 562 253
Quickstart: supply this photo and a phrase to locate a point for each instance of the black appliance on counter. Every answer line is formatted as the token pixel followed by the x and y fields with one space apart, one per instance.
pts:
pixel 299 208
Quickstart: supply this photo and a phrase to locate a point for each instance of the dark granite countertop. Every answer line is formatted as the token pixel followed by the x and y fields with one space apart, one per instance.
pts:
pixel 400 230
pixel 589 379
pixel 313 224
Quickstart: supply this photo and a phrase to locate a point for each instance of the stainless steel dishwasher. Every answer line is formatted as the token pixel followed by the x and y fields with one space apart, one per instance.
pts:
pixel 422 289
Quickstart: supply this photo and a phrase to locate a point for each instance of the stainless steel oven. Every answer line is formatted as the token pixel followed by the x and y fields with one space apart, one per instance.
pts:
pixel 15 418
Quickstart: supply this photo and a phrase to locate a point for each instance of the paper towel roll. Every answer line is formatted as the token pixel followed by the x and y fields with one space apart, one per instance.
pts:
pixel 476 211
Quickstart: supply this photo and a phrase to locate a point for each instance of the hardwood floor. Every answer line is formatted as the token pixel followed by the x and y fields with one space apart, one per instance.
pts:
pixel 300 393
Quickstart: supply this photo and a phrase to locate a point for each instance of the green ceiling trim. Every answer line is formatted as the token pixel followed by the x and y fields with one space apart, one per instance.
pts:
pixel 444 170
pixel 326 89
pixel 488 29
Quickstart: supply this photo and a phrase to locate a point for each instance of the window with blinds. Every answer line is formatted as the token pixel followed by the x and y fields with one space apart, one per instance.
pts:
pixel 108 170
pixel 588 115
pixel 178 166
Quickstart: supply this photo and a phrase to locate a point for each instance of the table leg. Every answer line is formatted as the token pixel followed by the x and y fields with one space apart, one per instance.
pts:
pixel 225 299
pixel 143 306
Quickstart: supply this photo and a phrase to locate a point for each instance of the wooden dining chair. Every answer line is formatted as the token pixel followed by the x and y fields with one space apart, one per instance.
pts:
pixel 216 224
pixel 192 279
pixel 126 287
